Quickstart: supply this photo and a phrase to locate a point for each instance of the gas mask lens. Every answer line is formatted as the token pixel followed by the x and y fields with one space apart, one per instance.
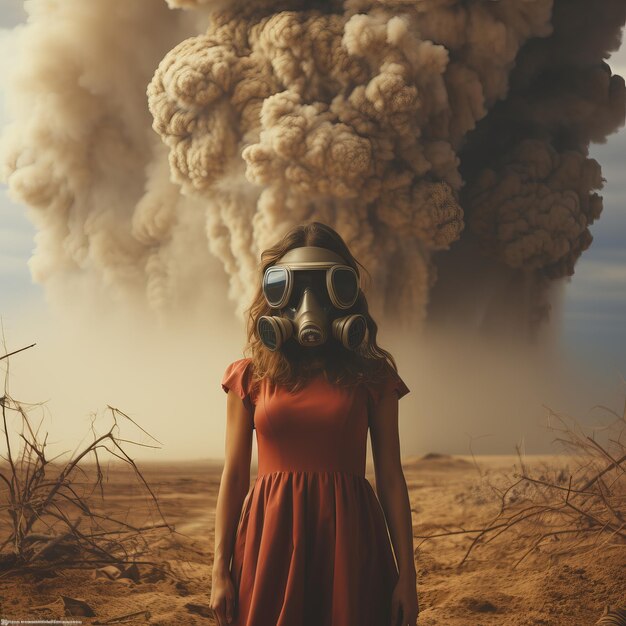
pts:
pixel 343 286
pixel 275 283
pixel 283 285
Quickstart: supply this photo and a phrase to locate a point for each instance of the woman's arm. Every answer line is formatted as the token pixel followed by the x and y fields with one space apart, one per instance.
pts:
pixel 394 499
pixel 234 485
pixel 235 479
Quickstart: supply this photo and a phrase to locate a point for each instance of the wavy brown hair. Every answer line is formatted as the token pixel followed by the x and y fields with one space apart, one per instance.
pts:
pixel 289 366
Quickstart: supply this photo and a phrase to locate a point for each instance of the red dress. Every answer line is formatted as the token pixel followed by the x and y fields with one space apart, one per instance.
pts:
pixel 311 547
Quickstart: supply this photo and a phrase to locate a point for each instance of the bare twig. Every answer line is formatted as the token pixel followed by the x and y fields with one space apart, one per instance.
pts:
pixel 16 351
pixel 545 513
pixel 58 504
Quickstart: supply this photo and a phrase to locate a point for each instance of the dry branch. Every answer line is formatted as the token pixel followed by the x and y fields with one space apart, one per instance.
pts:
pixel 16 351
pixel 50 514
pixel 588 505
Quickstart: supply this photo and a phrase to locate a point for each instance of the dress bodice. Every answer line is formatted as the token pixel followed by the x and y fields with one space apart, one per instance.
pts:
pixel 320 427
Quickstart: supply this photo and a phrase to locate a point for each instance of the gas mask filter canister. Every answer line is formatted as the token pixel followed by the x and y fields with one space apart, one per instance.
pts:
pixel 308 285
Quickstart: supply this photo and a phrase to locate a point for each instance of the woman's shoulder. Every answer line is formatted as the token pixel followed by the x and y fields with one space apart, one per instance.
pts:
pixel 243 363
pixel 239 367
pixel 384 378
pixel 375 371
pixel 238 377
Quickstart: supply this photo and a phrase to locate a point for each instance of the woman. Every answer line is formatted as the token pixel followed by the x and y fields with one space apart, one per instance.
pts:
pixel 309 542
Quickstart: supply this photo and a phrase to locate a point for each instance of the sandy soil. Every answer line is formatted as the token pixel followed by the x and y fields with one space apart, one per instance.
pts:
pixel 445 491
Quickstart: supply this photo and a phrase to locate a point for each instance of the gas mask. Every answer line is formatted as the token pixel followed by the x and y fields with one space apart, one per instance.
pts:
pixel 311 286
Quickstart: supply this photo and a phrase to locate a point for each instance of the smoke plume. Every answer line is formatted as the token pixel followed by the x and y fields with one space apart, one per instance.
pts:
pixel 446 141
pixel 532 191
pixel 80 152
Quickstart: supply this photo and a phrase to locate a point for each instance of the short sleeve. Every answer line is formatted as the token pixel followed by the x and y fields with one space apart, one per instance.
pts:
pixel 238 377
pixel 390 382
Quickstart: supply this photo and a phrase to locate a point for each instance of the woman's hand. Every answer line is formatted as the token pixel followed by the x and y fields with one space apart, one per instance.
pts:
pixel 404 603
pixel 223 597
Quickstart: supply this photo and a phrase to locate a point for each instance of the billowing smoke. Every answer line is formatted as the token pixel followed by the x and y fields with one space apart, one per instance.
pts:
pixel 80 152
pixel 446 140
pixel 531 191
pixel 352 115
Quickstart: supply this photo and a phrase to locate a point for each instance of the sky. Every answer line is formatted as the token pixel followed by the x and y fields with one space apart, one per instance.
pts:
pixel 592 333
pixel 16 232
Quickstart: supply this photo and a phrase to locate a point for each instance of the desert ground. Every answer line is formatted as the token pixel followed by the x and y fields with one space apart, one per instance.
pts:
pixel 447 493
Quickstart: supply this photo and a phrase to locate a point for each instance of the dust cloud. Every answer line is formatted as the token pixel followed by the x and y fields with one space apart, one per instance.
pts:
pixel 159 147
